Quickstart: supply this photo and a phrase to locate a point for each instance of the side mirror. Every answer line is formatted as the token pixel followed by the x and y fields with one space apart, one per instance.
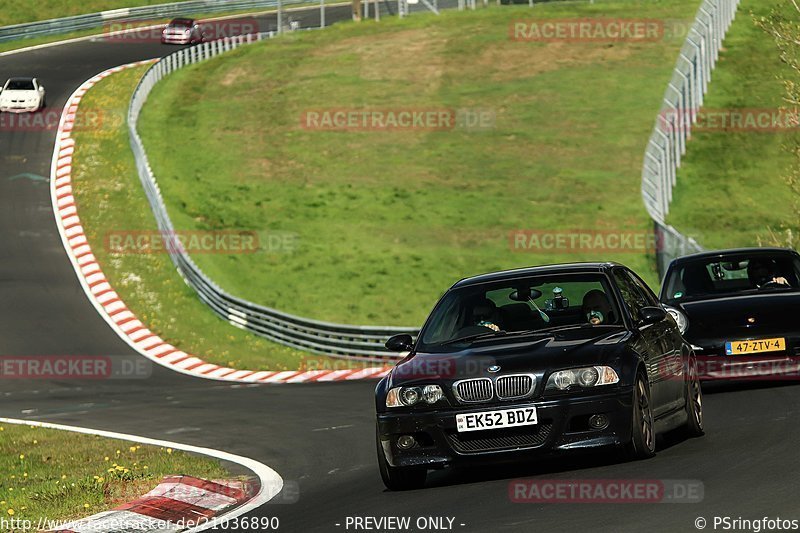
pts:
pixel 651 315
pixel 400 343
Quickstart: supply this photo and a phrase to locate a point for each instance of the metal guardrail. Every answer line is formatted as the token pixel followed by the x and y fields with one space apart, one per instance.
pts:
pixel 672 130
pixel 342 340
pixel 96 20
pixel 667 144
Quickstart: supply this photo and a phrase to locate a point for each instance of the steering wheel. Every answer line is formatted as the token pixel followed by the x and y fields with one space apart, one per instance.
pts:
pixel 772 283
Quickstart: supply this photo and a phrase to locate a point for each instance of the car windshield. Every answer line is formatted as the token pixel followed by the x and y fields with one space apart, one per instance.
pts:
pixel 181 23
pixel 510 308
pixel 712 277
pixel 20 85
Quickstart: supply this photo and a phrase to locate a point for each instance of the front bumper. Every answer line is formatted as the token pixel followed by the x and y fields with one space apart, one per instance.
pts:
pixel 562 427
pixel 18 108
pixel 176 39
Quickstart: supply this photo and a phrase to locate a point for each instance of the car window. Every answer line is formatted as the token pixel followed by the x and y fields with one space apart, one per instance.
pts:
pixel 633 298
pixel 20 85
pixel 648 295
pixel 711 277
pixel 529 304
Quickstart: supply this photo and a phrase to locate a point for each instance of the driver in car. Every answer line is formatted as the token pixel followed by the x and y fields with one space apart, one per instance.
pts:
pixel 763 272
pixel 596 307
pixel 485 314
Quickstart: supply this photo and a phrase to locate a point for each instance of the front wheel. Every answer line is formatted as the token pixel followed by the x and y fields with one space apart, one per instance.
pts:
pixel 694 401
pixel 399 478
pixel 643 437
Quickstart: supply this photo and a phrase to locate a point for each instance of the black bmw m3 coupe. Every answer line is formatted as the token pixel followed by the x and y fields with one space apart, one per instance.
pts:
pixel 541 360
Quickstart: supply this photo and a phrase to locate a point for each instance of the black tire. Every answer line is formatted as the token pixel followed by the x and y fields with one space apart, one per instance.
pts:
pixel 399 478
pixel 643 436
pixel 694 401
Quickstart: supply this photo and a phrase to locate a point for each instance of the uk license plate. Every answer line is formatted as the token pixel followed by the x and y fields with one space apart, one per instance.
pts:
pixel 504 418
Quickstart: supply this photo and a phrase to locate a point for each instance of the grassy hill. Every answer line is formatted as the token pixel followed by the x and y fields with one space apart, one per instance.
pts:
pixel 384 221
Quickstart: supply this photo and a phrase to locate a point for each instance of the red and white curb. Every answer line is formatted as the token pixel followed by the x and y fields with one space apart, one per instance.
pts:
pixel 178 500
pixel 178 503
pixel 107 301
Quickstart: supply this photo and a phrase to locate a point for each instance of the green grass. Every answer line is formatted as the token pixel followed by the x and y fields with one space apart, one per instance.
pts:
pixel 731 185
pixel 110 198
pixel 387 220
pixel 59 475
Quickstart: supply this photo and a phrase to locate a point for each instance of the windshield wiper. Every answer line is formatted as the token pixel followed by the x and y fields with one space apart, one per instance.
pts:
pixel 475 337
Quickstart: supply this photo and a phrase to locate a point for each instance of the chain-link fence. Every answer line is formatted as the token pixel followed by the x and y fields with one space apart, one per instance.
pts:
pixel 667 144
pixel 682 101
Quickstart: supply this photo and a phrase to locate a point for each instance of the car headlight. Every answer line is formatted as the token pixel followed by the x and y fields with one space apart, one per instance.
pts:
pixel 680 318
pixel 590 376
pixel 408 396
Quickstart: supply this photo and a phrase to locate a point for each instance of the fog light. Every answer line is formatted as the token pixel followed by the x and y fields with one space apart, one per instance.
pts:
pixel 406 442
pixel 598 421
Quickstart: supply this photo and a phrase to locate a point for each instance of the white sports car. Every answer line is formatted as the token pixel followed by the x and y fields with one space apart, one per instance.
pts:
pixel 22 95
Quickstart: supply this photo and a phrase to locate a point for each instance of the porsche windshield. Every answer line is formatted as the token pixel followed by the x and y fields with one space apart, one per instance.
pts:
pixel 510 308
pixel 715 276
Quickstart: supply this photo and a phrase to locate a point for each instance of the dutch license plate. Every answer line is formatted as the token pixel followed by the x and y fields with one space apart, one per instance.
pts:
pixel 755 346
pixel 505 418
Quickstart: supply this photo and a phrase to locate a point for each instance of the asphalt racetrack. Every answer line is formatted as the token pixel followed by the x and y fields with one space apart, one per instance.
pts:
pixel 320 437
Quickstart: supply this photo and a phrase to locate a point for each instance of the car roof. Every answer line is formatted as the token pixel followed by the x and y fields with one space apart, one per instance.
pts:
pixel 712 254
pixel 542 269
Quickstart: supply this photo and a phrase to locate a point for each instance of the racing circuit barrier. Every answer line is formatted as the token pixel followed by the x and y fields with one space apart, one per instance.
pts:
pixel 162 11
pixel 339 340
pixel 682 101
pixel 130 14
